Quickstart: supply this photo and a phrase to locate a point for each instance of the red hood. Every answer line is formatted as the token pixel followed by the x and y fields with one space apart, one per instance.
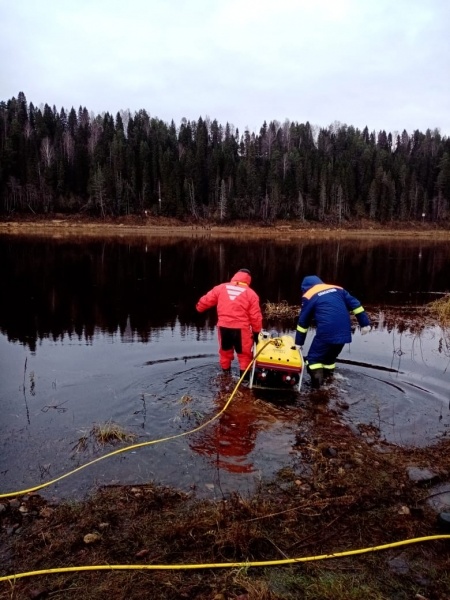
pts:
pixel 243 277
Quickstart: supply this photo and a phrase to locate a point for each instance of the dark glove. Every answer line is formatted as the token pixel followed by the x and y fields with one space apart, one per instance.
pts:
pixel 256 337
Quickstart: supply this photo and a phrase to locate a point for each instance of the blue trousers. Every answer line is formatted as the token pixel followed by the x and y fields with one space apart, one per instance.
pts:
pixel 322 355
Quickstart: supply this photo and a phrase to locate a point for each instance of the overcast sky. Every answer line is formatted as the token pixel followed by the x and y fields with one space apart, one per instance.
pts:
pixel 380 63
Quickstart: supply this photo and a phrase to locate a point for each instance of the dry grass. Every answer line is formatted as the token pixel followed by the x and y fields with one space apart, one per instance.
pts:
pixel 110 433
pixel 404 318
pixel 280 310
pixel 440 309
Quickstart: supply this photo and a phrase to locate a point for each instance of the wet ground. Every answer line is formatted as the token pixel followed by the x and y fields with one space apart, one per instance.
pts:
pixel 388 386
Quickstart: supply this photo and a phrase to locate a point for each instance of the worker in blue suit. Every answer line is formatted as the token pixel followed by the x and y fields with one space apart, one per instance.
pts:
pixel 329 307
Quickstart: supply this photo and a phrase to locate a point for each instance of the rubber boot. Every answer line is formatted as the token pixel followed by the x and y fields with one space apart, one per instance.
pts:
pixel 328 374
pixel 247 375
pixel 316 378
pixel 226 371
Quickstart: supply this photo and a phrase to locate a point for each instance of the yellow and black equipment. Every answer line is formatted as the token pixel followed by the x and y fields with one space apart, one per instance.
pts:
pixel 278 363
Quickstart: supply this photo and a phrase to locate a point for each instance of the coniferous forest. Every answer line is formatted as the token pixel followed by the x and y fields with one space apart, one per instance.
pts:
pixel 76 162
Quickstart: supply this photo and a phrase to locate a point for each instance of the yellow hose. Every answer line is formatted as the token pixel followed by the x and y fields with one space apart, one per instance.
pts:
pixel 134 446
pixel 234 565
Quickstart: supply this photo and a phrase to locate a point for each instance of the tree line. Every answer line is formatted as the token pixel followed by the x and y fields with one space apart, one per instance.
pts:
pixel 78 162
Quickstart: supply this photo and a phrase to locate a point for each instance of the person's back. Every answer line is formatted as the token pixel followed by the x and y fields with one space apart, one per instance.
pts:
pixel 239 317
pixel 329 307
pixel 238 304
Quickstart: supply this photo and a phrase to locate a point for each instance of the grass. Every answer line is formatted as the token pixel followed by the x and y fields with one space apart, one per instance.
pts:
pixel 280 310
pixel 405 318
pixel 102 434
pixel 440 309
pixel 111 432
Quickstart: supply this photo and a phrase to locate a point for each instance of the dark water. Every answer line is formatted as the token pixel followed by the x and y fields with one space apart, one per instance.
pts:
pixel 106 329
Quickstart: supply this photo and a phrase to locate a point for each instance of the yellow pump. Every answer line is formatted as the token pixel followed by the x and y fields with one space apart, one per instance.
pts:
pixel 278 363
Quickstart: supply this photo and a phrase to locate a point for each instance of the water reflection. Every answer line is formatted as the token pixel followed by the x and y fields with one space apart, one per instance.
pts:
pixel 230 440
pixel 93 330
pixel 137 286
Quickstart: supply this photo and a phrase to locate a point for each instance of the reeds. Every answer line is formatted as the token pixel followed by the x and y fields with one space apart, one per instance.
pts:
pixel 441 310
pixel 280 310
pixel 111 432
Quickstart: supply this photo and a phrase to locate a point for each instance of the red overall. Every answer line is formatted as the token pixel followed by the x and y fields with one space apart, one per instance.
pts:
pixel 239 317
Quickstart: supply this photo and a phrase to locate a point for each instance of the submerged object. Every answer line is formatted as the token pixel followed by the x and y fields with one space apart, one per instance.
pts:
pixel 278 363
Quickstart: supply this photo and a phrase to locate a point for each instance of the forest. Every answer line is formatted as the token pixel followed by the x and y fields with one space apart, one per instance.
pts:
pixel 76 162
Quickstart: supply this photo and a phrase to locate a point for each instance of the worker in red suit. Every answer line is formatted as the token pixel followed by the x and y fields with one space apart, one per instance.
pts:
pixel 239 318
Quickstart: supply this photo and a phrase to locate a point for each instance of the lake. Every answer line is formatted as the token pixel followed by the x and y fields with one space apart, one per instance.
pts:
pixel 105 329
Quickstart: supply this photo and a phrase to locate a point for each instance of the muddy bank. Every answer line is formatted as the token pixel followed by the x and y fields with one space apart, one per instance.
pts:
pixel 347 492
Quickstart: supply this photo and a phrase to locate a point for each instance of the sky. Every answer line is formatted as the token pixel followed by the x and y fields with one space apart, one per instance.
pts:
pixel 384 64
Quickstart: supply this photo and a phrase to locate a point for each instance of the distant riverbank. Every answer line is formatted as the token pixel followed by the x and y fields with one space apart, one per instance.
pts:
pixel 145 225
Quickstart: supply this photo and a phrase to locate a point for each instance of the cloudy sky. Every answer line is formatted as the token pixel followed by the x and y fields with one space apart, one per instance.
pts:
pixel 380 63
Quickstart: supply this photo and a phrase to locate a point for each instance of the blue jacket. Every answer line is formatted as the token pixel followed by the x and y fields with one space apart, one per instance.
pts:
pixel 329 306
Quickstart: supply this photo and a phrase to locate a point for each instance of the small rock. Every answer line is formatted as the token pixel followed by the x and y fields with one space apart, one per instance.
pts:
pixel 404 510
pixel 399 565
pixel 330 452
pixel 444 521
pixel 422 476
pixel 91 538
pixel 439 497
pixel 14 503
pixel 343 405
pixel 2 508
pixel 284 486
pixel 38 594
pixel 305 488
pixel 142 553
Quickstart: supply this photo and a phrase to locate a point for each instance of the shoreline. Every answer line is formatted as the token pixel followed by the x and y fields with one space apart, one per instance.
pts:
pixel 139 226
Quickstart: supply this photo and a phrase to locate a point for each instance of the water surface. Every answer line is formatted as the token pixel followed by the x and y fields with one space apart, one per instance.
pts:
pixel 98 330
